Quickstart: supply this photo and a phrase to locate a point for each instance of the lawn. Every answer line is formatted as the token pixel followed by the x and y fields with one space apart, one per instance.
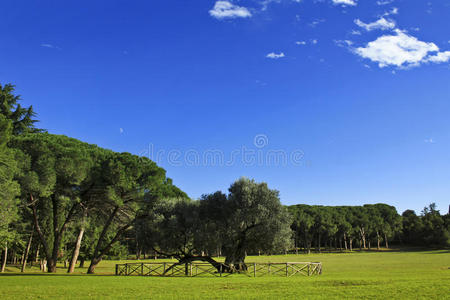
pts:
pixel 388 274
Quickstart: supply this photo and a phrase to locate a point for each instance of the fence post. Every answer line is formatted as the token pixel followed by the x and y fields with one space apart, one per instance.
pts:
pixel 117 270
pixel 287 269
pixel 126 269
pixel 164 269
pixel 254 269
pixel 309 268
pixel 142 269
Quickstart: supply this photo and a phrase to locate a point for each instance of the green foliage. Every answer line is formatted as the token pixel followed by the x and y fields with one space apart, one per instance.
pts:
pixel 9 189
pixel 22 118
pixel 339 226
pixel 249 219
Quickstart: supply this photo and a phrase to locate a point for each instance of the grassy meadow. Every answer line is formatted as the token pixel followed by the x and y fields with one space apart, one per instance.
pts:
pixel 381 275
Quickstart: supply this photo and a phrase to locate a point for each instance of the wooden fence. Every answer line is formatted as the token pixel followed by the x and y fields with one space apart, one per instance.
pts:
pixel 205 269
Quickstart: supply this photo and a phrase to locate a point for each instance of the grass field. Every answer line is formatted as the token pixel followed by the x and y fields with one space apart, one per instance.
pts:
pixel 393 274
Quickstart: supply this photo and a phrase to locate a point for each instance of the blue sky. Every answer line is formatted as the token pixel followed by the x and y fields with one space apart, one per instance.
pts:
pixel 352 97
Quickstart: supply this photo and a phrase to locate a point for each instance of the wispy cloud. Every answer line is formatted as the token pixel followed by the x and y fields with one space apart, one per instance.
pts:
pixel 381 23
pixel 430 141
pixel 384 2
pixel 343 43
pixel 228 10
pixel 50 46
pixel 274 55
pixel 393 11
pixel 402 50
pixel 316 22
pixel 300 43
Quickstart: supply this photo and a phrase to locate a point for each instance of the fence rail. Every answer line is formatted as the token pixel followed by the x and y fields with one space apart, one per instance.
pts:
pixel 204 269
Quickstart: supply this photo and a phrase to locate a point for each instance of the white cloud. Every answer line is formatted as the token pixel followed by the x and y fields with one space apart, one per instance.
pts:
pixel 314 41
pixel 440 57
pixel 345 2
pixel 355 32
pixel 300 43
pixel 430 141
pixel 227 10
pixel 274 55
pixel 381 23
pixel 121 130
pixel 402 50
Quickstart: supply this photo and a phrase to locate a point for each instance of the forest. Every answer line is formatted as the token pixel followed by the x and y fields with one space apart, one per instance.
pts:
pixel 63 200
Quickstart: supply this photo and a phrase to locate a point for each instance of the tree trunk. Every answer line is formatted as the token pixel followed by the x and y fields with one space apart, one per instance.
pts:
pixel 386 240
pixel 51 265
pixel 27 251
pixel 236 260
pixel 378 240
pixel 351 244
pixel 220 267
pixel 36 255
pixel 98 254
pixel 318 243
pixel 93 265
pixel 307 244
pixel 4 258
pixel 82 260
pixel 362 234
pixel 43 265
pixel 58 232
pixel 138 253
pixel 76 250
pixel 345 241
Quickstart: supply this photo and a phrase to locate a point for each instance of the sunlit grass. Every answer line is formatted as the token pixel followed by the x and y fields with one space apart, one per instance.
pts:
pixel 396 275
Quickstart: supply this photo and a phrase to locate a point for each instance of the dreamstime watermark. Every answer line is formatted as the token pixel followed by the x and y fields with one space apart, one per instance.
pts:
pixel 259 154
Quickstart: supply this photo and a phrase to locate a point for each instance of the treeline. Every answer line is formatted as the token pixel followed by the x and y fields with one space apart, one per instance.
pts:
pixel 62 200
pixel 366 227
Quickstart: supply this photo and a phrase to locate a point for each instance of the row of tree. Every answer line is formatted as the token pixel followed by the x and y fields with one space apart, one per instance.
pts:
pixel 65 200
pixel 343 227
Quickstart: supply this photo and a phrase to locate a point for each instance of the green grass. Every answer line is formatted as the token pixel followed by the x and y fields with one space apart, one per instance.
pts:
pixel 393 274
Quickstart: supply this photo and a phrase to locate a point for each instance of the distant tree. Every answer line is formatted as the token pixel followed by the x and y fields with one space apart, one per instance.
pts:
pixel 412 228
pixel 435 232
pixel 302 225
